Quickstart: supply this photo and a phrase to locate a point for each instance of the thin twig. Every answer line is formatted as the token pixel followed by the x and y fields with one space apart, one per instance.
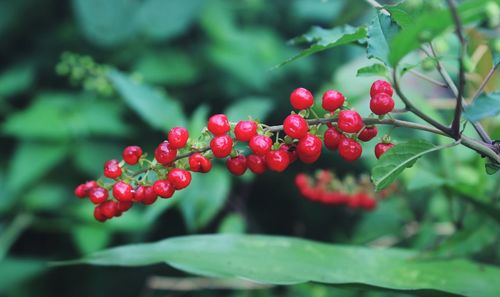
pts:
pixel 429 79
pixel 484 83
pixel 378 6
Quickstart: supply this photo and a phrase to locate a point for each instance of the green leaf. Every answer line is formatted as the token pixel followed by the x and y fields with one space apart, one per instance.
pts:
pixel 285 260
pixel 324 39
pixel 380 33
pixel 400 16
pixel 16 79
pixel 486 105
pixel 233 224
pixel 90 238
pixel 15 271
pixel 198 121
pixel 397 159
pixel 204 197
pixel 373 70
pixel 431 24
pixel 45 197
pixel 90 155
pixel 155 107
pixel 254 107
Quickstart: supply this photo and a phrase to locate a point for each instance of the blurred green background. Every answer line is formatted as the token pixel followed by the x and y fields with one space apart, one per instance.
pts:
pixel 81 79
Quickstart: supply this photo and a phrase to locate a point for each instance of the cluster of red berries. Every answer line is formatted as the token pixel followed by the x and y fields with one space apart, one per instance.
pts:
pixel 303 140
pixel 326 189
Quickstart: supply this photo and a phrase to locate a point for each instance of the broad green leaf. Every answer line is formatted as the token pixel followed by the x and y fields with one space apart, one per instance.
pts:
pixel 400 16
pixel 380 33
pixel 486 105
pixel 15 271
pixel 90 155
pixel 323 39
pixel 254 107
pixel 397 159
pixel 285 260
pixel 373 70
pixel 16 79
pixel 45 197
pixel 431 24
pixel 90 238
pixel 468 194
pixel 204 197
pixel 155 107
pixel 233 223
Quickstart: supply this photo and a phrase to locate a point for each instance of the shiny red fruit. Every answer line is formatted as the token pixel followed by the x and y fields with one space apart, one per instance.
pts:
pixel 368 133
pixel 178 137
pixel 179 178
pixel 150 195
pixel 163 188
pixel 309 148
pixel 165 153
pixel 112 169
pixel 332 138
pixel 138 194
pixel 295 126
pixel 277 160
pixel 124 205
pixel 81 191
pixel 237 165
pixel 131 154
pixel 350 121
pixel 221 145
pixel 260 144
pixel 123 191
pixel 98 215
pixel 291 150
pixel 256 164
pixel 199 163
pixel 379 87
pixel 245 130
pixel 218 124
pixel 381 148
pixel 109 209
pixel 349 149
pixel 332 100
pixel 301 98
pixel 98 195
pixel 381 104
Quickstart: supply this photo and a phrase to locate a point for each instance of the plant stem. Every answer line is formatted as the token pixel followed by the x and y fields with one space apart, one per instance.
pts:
pixel 484 83
pixel 429 79
pixel 12 232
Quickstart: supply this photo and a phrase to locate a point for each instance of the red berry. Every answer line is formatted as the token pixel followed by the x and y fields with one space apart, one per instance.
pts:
pixel 368 203
pixel 332 138
pixel 98 215
pixel 131 154
pixel 109 209
pixel 309 148
pixel 122 191
pixel 245 130
pixel 124 205
pixel 332 100
pixel 260 144
pixel 98 195
pixel 295 126
pixel 81 191
pixel 139 194
pixel 178 137
pixel 291 150
pixel 112 169
pixel 90 185
pixel 277 160
pixel 381 104
pixel 199 163
pixel 179 178
pixel 256 164
pixel 163 188
pixel 149 195
pixel 381 148
pixel 350 121
pixel 301 98
pixel 218 124
pixel 237 165
pixel 368 133
pixel 221 145
pixel 380 86
pixel 349 149
pixel 165 153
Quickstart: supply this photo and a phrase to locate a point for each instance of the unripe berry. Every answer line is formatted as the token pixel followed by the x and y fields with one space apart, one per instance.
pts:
pixel 256 164
pixel 309 148
pixel 237 165
pixel 179 178
pixel 165 153
pixel 245 130
pixel 350 121
pixel 178 137
pixel 98 215
pixel 295 126
pixel 380 86
pixel 199 163
pixel 277 160
pixel 301 98
pixel 150 195
pixel 131 154
pixel 98 195
pixel 381 148
pixel 349 149
pixel 112 169
pixel 368 133
pixel 218 124
pixel 381 104
pixel 221 145
pixel 260 144
pixel 109 209
pixel 332 138
pixel 163 188
pixel 332 100
pixel 122 191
